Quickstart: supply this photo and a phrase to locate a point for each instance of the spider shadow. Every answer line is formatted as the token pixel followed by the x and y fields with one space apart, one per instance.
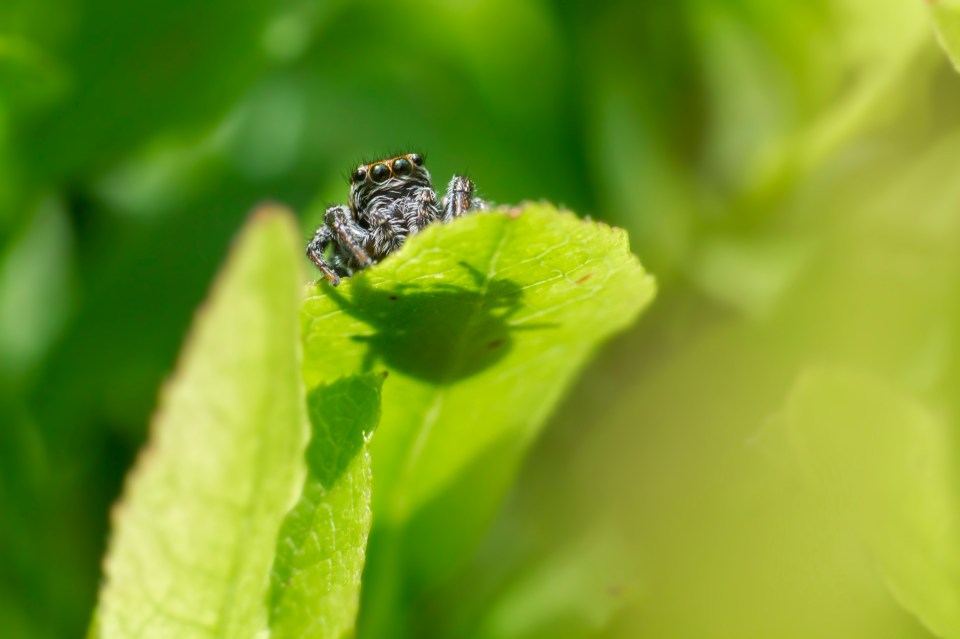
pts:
pixel 439 333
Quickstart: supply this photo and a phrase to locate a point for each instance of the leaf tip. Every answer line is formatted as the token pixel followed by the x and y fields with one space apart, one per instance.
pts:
pixel 268 210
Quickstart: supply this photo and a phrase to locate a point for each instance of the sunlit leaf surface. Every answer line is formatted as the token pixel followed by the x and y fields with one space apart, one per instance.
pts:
pixel 481 323
pixel 315 587
pixel 946 15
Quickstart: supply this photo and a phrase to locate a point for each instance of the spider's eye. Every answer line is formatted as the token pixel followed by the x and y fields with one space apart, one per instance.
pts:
pixel 417 159
pixel 359 175
pixel 401 166
pixel 379 173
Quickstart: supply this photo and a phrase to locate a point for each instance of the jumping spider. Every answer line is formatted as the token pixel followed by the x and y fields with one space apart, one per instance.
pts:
pixel 390 200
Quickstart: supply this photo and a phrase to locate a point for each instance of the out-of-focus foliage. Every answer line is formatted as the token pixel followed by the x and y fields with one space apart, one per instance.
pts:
pixel 946 13
pixel 787 171
pixel 899 498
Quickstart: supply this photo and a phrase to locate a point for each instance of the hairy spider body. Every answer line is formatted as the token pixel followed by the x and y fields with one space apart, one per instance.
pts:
pixel 389 201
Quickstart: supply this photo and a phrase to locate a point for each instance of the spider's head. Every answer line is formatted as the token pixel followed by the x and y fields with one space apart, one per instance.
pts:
pixel 394 177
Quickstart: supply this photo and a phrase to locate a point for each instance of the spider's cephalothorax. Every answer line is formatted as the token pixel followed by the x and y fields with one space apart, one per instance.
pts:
pixel 389 200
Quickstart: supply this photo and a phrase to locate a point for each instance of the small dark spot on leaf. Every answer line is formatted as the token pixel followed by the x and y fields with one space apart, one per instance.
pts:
pixel 584 278
pixel 392 298
pixel 495 343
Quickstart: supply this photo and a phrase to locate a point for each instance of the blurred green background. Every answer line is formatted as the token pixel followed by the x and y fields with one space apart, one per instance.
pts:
pixel 789 171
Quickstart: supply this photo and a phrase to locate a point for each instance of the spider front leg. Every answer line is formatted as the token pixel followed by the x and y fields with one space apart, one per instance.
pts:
pixel 321 239
pixel 460 198
pixel 339 229
pixel 348 235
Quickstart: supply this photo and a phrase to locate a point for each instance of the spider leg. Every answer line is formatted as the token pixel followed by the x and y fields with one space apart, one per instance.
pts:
pixel 421 210
pixel 321 239
pixel 460 198
pixel 346 233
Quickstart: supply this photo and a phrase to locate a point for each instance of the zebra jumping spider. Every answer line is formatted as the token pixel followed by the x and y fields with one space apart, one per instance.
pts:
pixel 390 200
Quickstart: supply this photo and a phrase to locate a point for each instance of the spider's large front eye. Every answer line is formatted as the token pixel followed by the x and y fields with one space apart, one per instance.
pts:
pixel 379 173
pixel 417 159
pixel 359 175
pixel 401 166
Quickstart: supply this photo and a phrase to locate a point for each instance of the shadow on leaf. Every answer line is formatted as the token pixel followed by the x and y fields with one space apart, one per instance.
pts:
pixel 342 416
pixel 436 332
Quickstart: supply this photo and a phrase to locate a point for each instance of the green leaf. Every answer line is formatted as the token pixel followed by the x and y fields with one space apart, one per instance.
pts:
pixel 315 587
pixel 34 289
pixel 575 592
pixel 195 534
pixel 146 84
pixel 482 324
pixel 28 76
pixel 884 461
pixel 946 17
